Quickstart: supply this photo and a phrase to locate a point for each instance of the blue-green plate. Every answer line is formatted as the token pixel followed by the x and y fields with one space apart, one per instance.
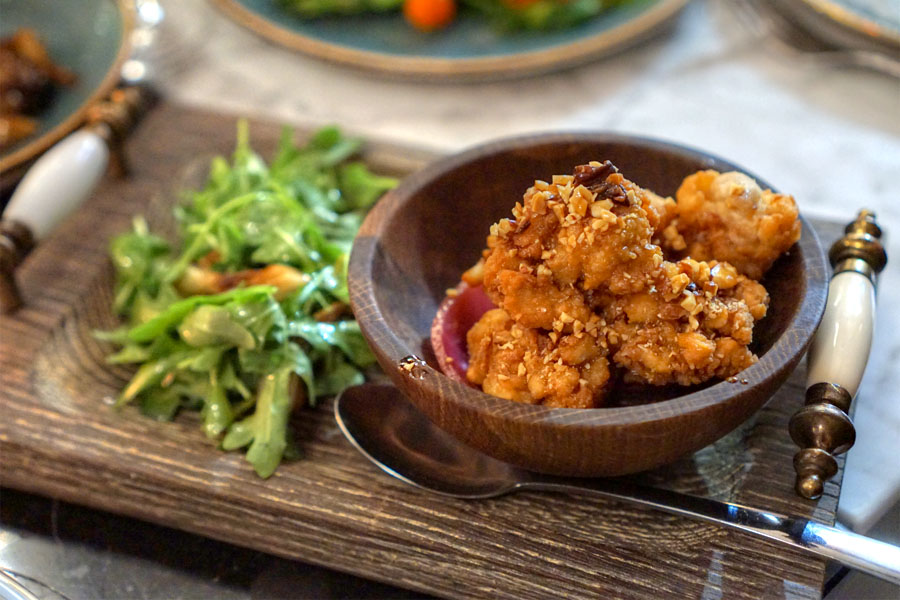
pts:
pixel 864 24
pixel 88 37
pixel 468 49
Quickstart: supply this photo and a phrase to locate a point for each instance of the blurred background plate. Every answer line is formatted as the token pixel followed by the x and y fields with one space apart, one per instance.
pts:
pixel 861 24
pixel 88 37
pixel 469 49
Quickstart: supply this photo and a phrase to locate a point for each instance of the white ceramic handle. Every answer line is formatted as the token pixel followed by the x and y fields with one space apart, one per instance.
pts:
pixel 58 182
pixel 840 349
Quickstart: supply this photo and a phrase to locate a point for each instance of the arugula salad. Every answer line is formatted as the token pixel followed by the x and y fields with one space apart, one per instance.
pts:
pixel 248 316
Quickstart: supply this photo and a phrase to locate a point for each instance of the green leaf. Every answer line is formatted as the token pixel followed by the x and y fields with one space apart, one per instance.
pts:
pixel 340 376
pixel 203 360
pixel 217 413
pixel 349 338
pixel 298 362
pixel 314 333
pixel 202 235
pixel 542 15
pixel 319 8
pixel 284 246
pixel 118 335
pixel 240 433
pixel 149 374
pixel 146 306
pixel 131 353
pixel 210 325
pixel 360 187
pixel 138 259
pixel 174 314
pixel 266 429
pixel 344 335
pixel 161 405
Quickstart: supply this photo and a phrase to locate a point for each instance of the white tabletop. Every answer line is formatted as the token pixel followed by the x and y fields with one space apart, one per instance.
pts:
pixel 828 135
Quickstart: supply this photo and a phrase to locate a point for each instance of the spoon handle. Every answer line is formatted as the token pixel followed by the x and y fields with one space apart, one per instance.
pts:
pixel 870 556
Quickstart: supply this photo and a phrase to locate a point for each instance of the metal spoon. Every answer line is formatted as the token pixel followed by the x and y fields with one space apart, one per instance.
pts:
pixel 397 437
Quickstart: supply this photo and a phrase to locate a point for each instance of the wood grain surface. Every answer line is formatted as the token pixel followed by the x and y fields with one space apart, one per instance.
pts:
pixel 60 437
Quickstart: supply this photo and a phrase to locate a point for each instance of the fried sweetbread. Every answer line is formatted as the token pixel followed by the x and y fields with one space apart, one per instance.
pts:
pixel 583 294
pixel 728 217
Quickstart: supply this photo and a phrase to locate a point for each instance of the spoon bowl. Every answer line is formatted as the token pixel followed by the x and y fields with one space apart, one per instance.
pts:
pixel 405 444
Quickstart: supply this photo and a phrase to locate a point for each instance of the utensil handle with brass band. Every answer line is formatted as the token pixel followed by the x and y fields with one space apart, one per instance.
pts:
pixel 59 182
pixel 840 348
pixel 838 356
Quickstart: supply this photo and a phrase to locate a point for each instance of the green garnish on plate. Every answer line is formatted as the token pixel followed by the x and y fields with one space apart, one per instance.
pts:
pixel 250 316
pixel 505 15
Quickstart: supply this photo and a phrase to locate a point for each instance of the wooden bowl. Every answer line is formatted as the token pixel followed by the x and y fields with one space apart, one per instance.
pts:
pixel 420 238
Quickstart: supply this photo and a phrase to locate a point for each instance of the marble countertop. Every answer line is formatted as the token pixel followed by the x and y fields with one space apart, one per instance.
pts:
pixel 828 135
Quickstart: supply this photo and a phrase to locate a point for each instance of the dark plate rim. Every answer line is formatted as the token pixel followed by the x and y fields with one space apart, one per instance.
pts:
pixel 37 146
pixel 853 20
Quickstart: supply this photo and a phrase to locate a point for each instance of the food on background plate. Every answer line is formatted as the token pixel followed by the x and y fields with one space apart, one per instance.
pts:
pixel 584 298
pixel 430 15
pixel 249 318
pixel 29 80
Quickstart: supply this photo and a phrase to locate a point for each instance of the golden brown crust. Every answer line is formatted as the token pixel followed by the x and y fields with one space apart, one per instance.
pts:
pixel 688 336
pixel 534 366
pixel 580 285
pixel 727 217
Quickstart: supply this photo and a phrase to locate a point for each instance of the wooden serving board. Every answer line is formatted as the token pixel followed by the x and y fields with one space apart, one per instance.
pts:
pixel 60 437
